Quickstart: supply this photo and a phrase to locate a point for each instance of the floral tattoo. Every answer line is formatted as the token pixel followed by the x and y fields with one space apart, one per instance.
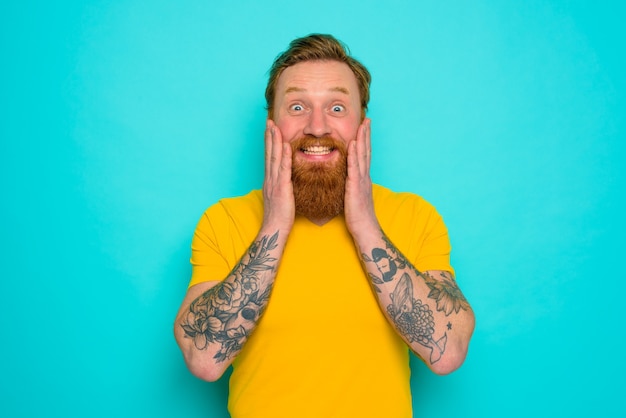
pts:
pixel 446 293
pixel 227 313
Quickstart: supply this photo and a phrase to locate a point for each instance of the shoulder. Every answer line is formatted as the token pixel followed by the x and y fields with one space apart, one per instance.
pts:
pixel 249 203
pixel 387 200
pixel 240 210
pixel 415 227
pixel 406 213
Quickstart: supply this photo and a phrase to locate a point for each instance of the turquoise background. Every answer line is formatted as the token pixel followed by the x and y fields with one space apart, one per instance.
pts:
pixel 121 121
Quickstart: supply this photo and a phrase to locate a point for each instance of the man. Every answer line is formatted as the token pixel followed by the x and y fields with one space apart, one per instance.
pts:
pixel 315 288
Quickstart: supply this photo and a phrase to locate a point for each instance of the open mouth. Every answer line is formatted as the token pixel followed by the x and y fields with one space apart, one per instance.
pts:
pixel 317 150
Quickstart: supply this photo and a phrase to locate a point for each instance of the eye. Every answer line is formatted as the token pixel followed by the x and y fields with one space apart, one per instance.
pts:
pixel 338 108
pixel 296 108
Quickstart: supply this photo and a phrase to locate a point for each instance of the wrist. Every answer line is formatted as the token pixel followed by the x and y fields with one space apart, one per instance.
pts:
pixel 365 232
pixel 271 226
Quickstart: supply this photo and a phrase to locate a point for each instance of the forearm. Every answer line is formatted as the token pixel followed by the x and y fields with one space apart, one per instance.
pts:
pixel 427 309
pixel 212 327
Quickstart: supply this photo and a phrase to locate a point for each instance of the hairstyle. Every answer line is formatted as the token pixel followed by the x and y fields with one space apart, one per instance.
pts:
pixel 317 47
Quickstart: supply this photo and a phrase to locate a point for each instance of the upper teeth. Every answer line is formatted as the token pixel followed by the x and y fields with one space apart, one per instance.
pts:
pixel 317 150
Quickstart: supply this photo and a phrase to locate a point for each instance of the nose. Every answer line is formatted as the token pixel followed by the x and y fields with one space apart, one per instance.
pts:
pixel 317 124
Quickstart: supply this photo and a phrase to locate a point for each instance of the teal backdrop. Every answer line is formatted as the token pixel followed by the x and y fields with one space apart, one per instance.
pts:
pixel 122 121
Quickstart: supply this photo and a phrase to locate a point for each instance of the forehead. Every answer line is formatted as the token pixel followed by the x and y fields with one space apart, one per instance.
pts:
pixel 316 77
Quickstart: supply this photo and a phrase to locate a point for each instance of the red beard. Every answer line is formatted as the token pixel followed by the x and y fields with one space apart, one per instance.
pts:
pixel 319 187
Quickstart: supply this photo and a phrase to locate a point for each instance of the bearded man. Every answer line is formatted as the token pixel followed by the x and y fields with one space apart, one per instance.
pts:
pixel 287 283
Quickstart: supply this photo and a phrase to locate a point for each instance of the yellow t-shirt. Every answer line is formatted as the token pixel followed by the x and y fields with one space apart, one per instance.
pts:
pixel 323 348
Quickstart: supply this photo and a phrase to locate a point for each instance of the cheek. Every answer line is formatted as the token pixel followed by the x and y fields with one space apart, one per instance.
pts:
pixel 349 128
pixel 288 128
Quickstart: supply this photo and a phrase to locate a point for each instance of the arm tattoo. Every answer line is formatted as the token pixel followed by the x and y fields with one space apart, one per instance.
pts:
pixel 413 318
pixel 446 292
pixel 228 312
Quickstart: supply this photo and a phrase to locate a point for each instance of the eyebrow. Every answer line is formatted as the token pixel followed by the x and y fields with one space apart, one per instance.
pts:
pixel 299 90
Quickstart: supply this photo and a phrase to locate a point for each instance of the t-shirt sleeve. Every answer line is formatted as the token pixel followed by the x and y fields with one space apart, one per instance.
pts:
pixel 433 243
pixel 207 260
pixel 415 227
pixel 223 234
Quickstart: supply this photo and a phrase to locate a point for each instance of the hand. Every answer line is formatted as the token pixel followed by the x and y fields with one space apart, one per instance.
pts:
pixel 278 202
pixel 359 204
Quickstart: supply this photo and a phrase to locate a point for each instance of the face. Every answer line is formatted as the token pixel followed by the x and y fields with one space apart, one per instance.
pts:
pixel 383 265
pixel 317 99
pixel 317 109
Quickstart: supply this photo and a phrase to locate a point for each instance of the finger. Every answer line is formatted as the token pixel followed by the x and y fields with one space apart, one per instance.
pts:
pixel 274 150
pixel 363 148
pixel 368 144
pixel 268 146
pixel 353 164
pixel 285 163
pixel 277 149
